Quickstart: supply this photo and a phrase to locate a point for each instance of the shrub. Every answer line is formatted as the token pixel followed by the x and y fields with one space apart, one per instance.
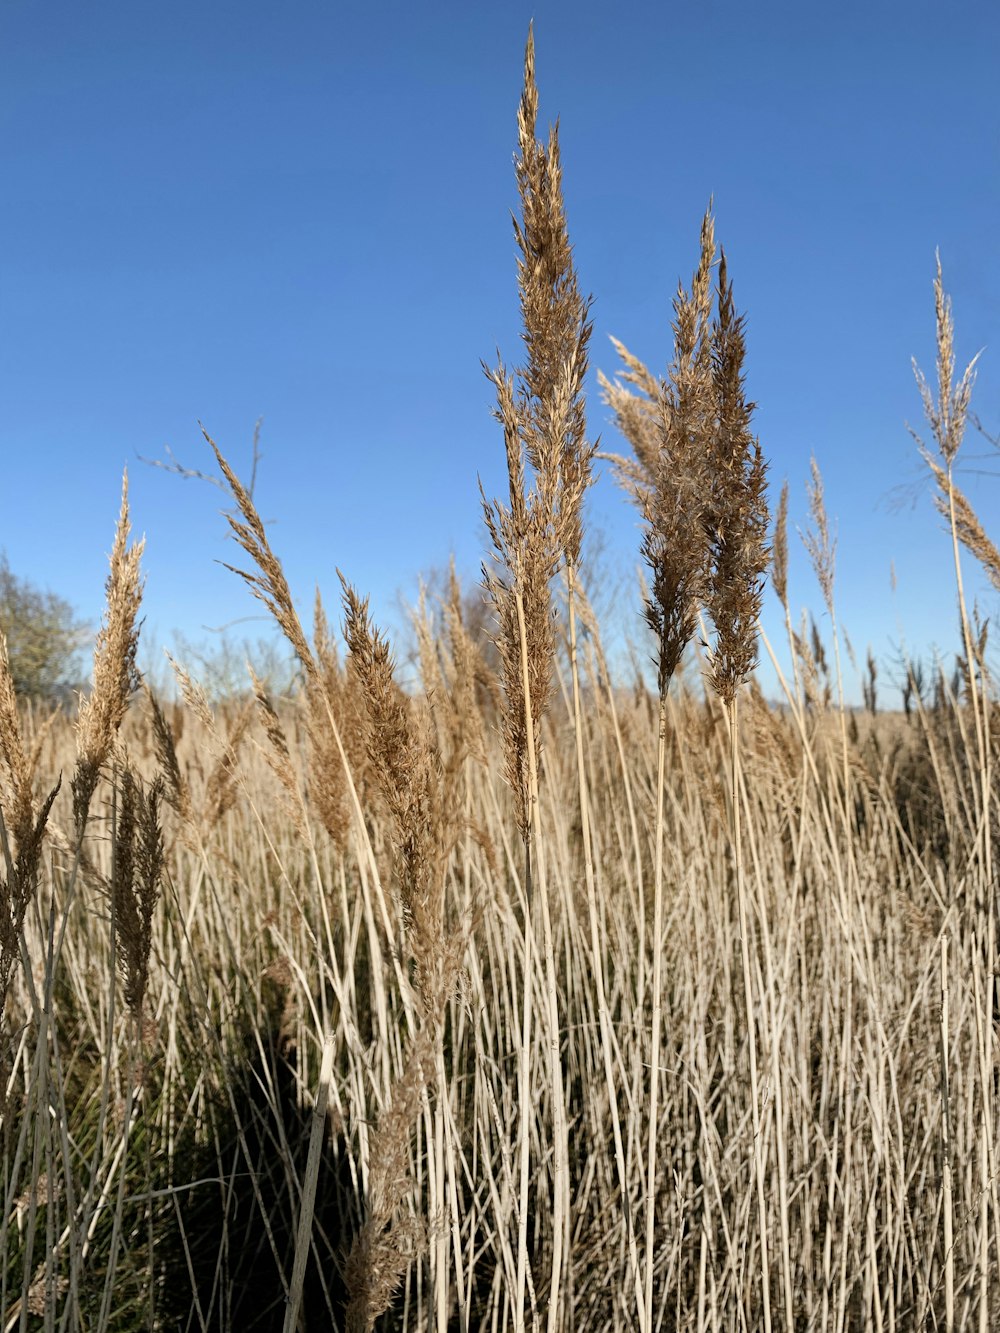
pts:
pixel 43 637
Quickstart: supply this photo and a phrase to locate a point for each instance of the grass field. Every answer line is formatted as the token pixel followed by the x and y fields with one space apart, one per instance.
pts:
pixel 532 997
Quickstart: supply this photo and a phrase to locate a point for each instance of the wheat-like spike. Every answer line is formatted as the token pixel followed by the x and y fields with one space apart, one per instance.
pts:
pixel 116 676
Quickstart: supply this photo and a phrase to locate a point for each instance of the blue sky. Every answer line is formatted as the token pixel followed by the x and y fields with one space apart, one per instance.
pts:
pixel 217 212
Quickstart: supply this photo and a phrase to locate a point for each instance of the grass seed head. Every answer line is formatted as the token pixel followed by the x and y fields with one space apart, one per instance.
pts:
pixel 175 789
pixel 948 410
pixel 135 882
pixel 736 515
pixel 670 425
pixel 408 770
pixel 544 423
pixel 819 542
pixel 267 583
pixel 116 676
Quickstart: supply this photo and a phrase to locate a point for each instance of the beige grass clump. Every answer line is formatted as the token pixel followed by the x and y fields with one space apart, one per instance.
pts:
pixel 802 1103
pixel 227 730
pixel 116 676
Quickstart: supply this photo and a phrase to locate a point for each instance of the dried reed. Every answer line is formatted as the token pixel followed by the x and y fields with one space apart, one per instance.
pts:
pixel 544 422
pixel 116 677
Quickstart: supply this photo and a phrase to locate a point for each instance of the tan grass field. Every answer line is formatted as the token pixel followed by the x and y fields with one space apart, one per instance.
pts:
pixel 531 998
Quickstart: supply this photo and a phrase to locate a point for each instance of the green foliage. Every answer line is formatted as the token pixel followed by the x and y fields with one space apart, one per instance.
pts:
pixel 43 637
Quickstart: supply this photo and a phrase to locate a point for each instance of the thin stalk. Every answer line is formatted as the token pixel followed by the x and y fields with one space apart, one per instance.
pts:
pixel 741 896
pixel 775 987
pixel 949 1220
pixel 307 1203
pixel 597 953
pixel 524 1066
pixel 654 1048
pixel 560 1181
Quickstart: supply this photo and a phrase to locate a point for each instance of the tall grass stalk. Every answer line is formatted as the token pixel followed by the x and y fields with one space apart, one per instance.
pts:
pixel 947 415
pixel 736 523
pixel 544 425
pixel 670 425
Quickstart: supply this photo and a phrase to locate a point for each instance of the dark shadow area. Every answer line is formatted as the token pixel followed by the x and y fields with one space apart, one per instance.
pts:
pixel 233 1237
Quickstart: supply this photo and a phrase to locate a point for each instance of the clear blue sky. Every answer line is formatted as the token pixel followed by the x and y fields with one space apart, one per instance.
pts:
pixel 220 211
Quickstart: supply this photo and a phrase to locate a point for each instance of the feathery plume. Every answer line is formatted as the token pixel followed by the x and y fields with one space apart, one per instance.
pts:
pixel 820 543
pixel 736 516
pixel 670 424
pixel 947 413
pixel 116 676
pixel 544 423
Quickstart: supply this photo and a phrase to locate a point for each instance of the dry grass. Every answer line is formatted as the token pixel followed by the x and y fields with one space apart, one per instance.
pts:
pixel 509 1002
